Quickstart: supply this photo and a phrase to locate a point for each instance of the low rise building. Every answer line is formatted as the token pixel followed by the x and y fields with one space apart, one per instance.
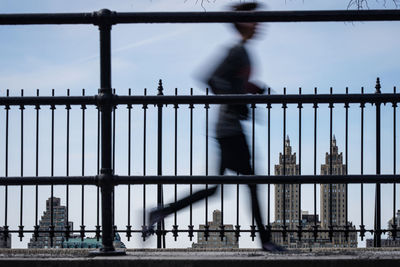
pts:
pixel 90 242
pixel 5 239
pixel 392 240
pixel 55 216
pixel 214 239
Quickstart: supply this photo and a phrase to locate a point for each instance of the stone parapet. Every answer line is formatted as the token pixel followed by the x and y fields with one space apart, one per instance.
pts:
pixel 201 258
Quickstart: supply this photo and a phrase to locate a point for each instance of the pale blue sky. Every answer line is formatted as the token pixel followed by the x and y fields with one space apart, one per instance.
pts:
pixel 288 55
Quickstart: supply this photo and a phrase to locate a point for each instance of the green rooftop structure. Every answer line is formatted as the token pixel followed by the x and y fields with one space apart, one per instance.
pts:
pixel 90 242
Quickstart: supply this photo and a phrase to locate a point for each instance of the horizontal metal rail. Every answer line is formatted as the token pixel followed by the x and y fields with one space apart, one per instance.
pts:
pixel 49 100
pixel 271 99
pixel 210 231
pixel 108 17
pixel 202 99
pixel 197 179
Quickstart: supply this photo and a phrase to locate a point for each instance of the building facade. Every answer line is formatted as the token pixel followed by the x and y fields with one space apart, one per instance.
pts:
pixel 59 222
pixel 391 241
pixel 287 195
pixel 333 201
pixel 307 238
pixel 394 223
pixel 5 242
pixel 214 240
pixel 338 192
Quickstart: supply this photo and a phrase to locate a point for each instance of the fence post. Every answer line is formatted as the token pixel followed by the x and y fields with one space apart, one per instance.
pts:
pixel 160 202
pixel 105 98
pixel 377 226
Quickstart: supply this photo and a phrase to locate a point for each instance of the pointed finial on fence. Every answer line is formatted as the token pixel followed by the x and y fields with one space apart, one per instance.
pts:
pixel 160 87
pixel 378 86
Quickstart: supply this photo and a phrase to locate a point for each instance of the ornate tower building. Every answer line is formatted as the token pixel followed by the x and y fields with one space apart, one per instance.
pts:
pixel 333 201
pixel 290 198
pixel 338 193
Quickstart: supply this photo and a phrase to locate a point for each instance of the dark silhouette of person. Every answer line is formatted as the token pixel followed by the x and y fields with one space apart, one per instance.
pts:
pixel 230 77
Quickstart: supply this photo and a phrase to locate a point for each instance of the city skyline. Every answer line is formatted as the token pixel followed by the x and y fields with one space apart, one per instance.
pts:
pixel 292 195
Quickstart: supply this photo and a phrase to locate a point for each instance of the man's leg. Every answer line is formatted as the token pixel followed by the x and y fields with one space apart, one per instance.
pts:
pixel 160 213
pixel 257 213
pixel 266 243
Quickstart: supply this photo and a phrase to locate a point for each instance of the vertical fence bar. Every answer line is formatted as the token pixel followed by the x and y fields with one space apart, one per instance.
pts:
pixel 7 108
pixel 190 226
pixel 114 114
pixel 330 166
pixel 315 107
pixel 362 226
pixel 346 106
pixel 300 227
pixel 98 227
pixel 394 222
pixel 175 226
pixel 52 107
pixel 253 162
pixel 129 226
pixel 82 232
pixel 21 226
pixel 269 165
pixel 67 226
pixel 105 103
pixel 144 166
pixel 159 166
pixel 284 107
pixel 237 226
pixel 377 226
pixel 206 226
pixel 36 227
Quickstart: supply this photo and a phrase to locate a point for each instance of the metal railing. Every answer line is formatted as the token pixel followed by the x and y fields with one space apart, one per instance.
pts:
pixel 106 102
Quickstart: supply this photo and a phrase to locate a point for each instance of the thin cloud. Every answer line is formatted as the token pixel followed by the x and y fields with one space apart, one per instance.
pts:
pixel 151 40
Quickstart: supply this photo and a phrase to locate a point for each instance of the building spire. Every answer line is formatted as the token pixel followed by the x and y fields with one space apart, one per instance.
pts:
pixel 287 141
pixel 334 142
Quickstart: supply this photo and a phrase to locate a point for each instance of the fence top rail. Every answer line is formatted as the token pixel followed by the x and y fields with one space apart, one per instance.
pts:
pixel 204 99
pixel 201 179
pixel 106 16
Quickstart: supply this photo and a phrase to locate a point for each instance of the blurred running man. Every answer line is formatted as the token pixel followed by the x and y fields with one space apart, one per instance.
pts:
pixel 230 77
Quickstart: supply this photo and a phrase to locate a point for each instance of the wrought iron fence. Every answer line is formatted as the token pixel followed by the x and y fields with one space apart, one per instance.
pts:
pixel 106 102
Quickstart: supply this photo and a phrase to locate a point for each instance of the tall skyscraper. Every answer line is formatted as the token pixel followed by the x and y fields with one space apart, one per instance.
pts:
pixel 59 223
pixel 338 192
pixel 287 195
pixel 333 200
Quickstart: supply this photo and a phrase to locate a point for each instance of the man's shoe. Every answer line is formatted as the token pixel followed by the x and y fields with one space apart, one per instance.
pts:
pixel 148 231
pixel 271 247
pixel 158 214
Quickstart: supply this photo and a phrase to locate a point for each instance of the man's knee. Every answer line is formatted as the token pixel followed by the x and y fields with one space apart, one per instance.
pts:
pixel 252 187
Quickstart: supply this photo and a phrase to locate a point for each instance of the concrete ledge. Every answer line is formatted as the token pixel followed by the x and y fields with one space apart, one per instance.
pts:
pixel 202 258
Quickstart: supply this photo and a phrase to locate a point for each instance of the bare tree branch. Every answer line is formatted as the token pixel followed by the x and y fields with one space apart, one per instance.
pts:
pixel 363 4
pixel 357 4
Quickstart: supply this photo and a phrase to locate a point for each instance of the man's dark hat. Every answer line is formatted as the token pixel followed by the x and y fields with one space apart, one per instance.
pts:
pixel 245 7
